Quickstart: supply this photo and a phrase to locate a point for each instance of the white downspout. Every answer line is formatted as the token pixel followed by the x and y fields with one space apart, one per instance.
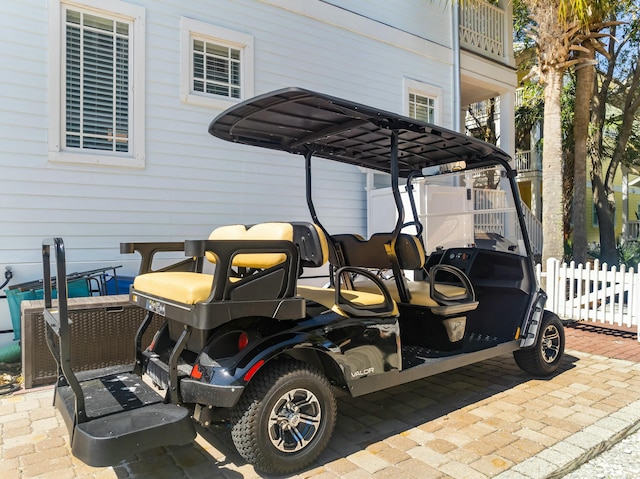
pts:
pixel 457 123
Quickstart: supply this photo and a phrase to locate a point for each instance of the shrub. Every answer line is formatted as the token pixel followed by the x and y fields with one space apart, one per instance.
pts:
pixel 628 253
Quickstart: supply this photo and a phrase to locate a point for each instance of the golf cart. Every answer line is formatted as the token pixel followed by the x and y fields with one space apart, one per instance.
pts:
pixel 258 344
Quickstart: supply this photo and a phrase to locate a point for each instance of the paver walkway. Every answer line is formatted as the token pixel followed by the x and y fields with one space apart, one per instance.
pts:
pixel 482 421
pixel 612 342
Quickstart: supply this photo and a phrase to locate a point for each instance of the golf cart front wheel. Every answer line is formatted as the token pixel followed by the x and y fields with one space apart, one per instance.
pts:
pixel 543 358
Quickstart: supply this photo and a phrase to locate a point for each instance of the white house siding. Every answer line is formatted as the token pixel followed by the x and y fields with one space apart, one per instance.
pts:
pixel 191 181
pixel 428 19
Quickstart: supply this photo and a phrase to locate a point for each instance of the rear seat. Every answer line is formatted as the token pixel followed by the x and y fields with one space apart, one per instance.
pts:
pixel 255 275
pixel 192 287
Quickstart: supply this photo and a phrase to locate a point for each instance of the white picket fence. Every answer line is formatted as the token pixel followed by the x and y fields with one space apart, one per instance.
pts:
pixel 592 293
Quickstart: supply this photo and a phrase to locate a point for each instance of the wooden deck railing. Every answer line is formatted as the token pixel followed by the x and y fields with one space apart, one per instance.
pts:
pixel 482 29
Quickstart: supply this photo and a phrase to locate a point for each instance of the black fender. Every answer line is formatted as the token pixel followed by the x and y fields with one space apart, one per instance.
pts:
pixel 344 349
pixel 529 329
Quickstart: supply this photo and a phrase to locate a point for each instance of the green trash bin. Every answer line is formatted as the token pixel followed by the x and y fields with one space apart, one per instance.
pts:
pixel 15 295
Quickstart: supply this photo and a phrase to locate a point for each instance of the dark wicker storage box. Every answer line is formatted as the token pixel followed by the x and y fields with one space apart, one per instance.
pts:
pixel 102 332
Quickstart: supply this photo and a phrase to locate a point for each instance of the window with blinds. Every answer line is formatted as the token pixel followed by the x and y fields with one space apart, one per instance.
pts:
pixel 216 69
pixel 422 108
pixel 97 82
pixel 216 65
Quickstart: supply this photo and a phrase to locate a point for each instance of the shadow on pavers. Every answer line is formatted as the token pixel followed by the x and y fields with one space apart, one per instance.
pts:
pixel 361 421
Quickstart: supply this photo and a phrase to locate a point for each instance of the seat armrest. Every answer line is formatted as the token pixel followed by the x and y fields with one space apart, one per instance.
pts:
pixel 469 295
pixel 226 250
pixel 386 307
pixel 148 250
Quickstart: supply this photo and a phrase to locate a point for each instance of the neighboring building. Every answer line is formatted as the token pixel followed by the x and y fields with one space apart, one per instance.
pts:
pixel 627 216
pixel 528 161
pixel 483 121
pixel 105 107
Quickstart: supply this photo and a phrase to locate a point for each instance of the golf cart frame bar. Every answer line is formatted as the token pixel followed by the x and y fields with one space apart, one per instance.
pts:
pixel 314 124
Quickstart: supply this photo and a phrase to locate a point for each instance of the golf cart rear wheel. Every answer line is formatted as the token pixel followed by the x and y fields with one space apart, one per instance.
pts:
pixel 543 358
pixel 285 417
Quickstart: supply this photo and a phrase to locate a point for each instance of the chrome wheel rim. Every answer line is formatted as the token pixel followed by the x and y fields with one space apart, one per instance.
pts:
pixel 294 420
pixel 550 344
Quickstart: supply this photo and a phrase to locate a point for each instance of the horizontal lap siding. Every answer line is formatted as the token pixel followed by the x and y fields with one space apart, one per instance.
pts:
pixel 424 18
pixel 192 182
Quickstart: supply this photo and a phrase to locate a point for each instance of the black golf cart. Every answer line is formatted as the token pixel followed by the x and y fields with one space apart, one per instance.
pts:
pixel 255 342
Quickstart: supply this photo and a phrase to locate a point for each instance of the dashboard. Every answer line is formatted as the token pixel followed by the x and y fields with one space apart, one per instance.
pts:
pixel 485 267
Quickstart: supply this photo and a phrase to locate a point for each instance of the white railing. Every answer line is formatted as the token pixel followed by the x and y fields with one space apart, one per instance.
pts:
pixel 482 28
pixel 519 97
pixel 523 160
pixel 484 219
pixel 534 228
pixel 480 111
pixel 489 221
pixel 633 230
pixel 592 292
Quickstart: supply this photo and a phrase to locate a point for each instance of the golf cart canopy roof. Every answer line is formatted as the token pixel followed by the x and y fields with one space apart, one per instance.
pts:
pixel 301 121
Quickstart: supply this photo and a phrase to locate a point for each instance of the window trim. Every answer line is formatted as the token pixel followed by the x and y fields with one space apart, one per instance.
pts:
pixel 135 158
pixel 190 28
pixel 426 90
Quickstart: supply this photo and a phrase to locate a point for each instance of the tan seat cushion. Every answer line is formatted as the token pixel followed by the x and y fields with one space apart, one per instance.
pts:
pixel 261 231
pixel 327 297
pixel 420 291
pixel 182 287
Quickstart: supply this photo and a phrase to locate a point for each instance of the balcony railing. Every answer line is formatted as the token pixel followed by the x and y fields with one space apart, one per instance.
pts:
pixel 526 161
pixel 481 110
pixel 519 97
pixel 633 230
pixel 482 29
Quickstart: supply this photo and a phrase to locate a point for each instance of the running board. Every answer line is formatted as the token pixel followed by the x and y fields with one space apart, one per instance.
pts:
pixel 430 367
pixel 125 416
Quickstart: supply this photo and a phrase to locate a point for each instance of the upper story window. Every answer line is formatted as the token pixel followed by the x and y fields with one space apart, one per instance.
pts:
pixel 422 101
pixel 422 108
pixel 216 69
pixel 217 65
pixel 97 84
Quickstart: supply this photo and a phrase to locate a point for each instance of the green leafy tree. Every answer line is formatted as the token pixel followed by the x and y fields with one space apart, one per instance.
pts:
pixel 589 41
pixel 615 130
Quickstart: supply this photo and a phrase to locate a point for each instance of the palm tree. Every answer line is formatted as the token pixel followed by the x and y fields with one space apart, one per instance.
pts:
pixel 553 41
pixel 561 26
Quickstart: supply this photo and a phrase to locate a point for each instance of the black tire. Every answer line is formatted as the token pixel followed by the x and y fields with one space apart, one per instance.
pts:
pixel 284 396
pixel 543 358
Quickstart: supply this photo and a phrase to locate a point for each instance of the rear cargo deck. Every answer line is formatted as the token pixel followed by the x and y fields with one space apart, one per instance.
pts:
pixel 124 416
